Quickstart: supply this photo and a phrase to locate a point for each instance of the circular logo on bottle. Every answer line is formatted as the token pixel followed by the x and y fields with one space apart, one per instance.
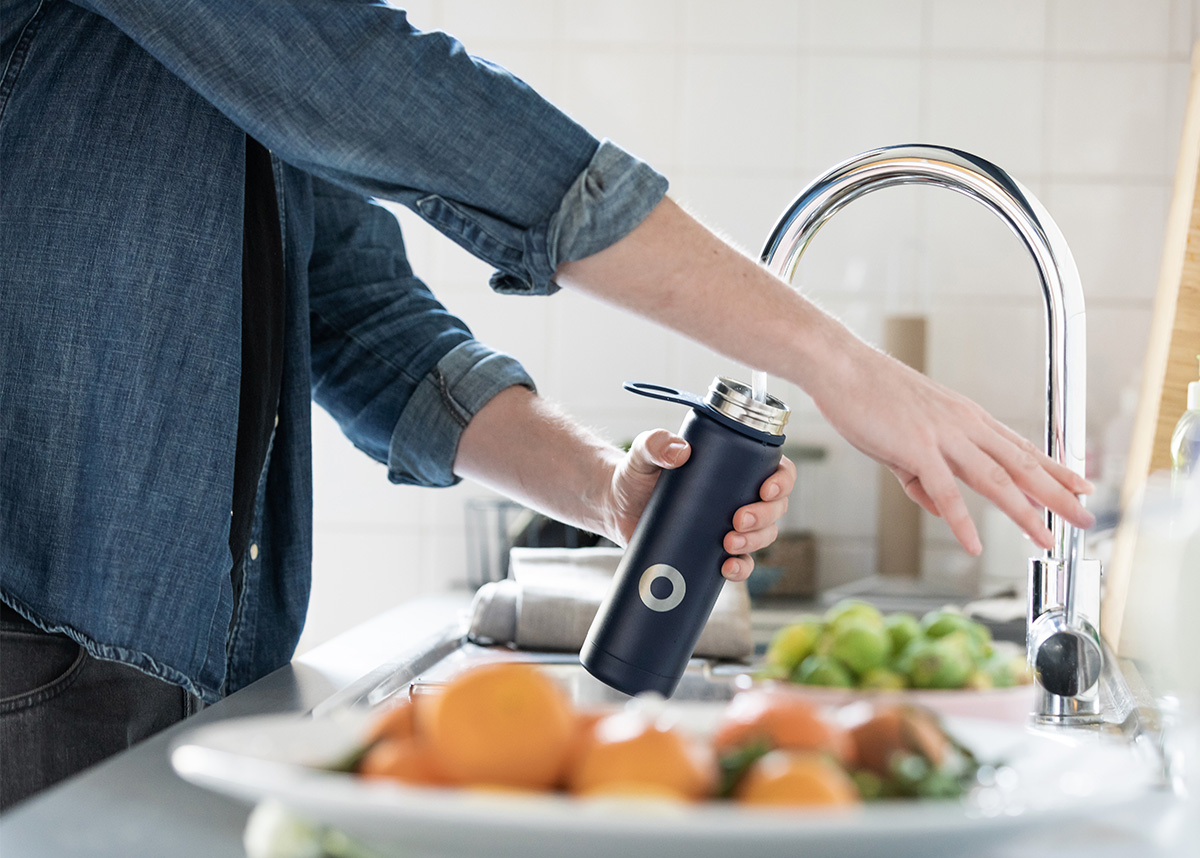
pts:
pixel 669 574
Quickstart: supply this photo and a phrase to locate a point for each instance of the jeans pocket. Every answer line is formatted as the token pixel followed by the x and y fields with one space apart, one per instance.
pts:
pixel 36 667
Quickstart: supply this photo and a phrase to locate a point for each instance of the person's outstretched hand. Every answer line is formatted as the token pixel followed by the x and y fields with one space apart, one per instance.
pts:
pixel 755 525
pixel 930 437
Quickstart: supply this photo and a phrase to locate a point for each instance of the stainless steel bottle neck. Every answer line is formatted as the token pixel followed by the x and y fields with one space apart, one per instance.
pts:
pixel 736 401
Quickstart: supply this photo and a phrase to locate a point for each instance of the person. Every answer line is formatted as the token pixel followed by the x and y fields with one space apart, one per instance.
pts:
pixel 189 257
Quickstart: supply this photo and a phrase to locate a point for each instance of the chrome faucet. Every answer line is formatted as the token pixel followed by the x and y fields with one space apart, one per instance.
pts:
pixel 1062 636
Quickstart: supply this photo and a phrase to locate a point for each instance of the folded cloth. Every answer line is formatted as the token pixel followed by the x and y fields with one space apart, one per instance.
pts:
pixel 552 594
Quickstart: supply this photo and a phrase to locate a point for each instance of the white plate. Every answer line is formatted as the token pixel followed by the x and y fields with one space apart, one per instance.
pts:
pixel 1050 778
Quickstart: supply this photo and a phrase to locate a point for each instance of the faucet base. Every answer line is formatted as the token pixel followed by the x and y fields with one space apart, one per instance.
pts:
pixel 1065 657
pixel 1056 711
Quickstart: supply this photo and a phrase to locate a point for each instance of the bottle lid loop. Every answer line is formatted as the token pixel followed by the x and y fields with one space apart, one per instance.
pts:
pixel 727 400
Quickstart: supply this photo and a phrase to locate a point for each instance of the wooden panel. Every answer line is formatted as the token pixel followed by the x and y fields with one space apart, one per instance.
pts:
pixel 898 543
pixel 1170 361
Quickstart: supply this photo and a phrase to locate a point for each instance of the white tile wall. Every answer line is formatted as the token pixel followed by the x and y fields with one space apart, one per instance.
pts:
pixel 723 121
pixel 987 27
pixel 740 105
pixel 991 107
pixel 762 25
pixel 618 22
pixel 1101 222
pixel 1109 118
pixel 854 104
pixel 626 99
pixel 971 253
pixel 1110 28
pixel 860 26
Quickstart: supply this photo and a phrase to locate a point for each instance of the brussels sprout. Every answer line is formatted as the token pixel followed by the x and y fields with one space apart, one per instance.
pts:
pixel 938 624
pixel 859 644
pixel 902 629
pixel 976 649
pixel 1006 671
pixel 940 663
pixel 823 670
pixel 853 609
pixel 793 643
pixel 901 662
pixel 882 679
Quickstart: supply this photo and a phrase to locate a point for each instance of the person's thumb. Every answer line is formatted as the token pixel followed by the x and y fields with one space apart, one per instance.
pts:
pixel 656 449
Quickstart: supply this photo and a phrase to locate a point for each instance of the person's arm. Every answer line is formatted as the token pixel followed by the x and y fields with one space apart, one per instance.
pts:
pixel 674 270
pixel 351 92
pixel 398 372
pixel 524 447
pixel 410 387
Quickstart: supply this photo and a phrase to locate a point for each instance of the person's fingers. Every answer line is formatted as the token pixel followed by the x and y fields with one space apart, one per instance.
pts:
pixel 1043 480
pixel 774 493
pixel 915 491
pixel 1076 483
pixel 938 484
pixel 745 543
pixel 755 516
pixel 995 482
pixel 738 568
pixel 780 483
pixel 657 449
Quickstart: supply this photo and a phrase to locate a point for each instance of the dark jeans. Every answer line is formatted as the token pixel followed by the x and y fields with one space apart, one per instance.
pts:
pixel 62 710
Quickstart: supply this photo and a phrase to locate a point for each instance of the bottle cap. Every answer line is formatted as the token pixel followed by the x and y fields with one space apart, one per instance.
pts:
pixel 736 401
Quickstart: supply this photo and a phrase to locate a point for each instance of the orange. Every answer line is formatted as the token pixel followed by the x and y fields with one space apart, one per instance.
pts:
pixel 629 754
pixel 394 723
pixel 582 736
pixel 407 759
pixel 501 724
pixel 782 719
pixel 796 779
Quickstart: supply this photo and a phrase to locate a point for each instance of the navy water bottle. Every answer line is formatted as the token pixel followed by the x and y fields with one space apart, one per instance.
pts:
pixel 670 576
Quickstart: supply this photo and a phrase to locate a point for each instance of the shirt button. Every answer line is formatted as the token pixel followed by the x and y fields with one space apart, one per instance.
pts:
pixel 276 421
pixel 254 551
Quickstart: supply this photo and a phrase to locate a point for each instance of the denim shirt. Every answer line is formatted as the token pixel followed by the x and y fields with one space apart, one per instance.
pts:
pixel 122 140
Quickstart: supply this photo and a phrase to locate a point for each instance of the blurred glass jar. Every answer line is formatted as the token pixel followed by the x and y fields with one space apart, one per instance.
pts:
pixel 1161 628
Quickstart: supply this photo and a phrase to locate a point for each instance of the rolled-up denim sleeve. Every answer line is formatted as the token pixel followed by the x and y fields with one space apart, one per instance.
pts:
pixel 440 407
pixel 611 196
pixel 398 372
pixel 349 91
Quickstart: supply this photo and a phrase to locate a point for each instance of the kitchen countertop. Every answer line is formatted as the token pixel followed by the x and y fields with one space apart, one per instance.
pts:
pixel 135 806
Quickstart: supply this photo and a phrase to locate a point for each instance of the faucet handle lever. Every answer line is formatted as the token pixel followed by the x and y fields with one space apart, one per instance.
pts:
pixel 1067 658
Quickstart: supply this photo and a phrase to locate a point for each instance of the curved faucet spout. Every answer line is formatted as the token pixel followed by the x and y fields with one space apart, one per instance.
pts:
pixel 1057 577
pixel 1066 346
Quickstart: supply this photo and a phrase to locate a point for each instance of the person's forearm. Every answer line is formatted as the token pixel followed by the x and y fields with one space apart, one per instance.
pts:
pixel 523 447
pixel 676 271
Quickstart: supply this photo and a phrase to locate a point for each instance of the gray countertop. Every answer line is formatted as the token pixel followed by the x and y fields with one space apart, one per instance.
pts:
pixel 135 806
